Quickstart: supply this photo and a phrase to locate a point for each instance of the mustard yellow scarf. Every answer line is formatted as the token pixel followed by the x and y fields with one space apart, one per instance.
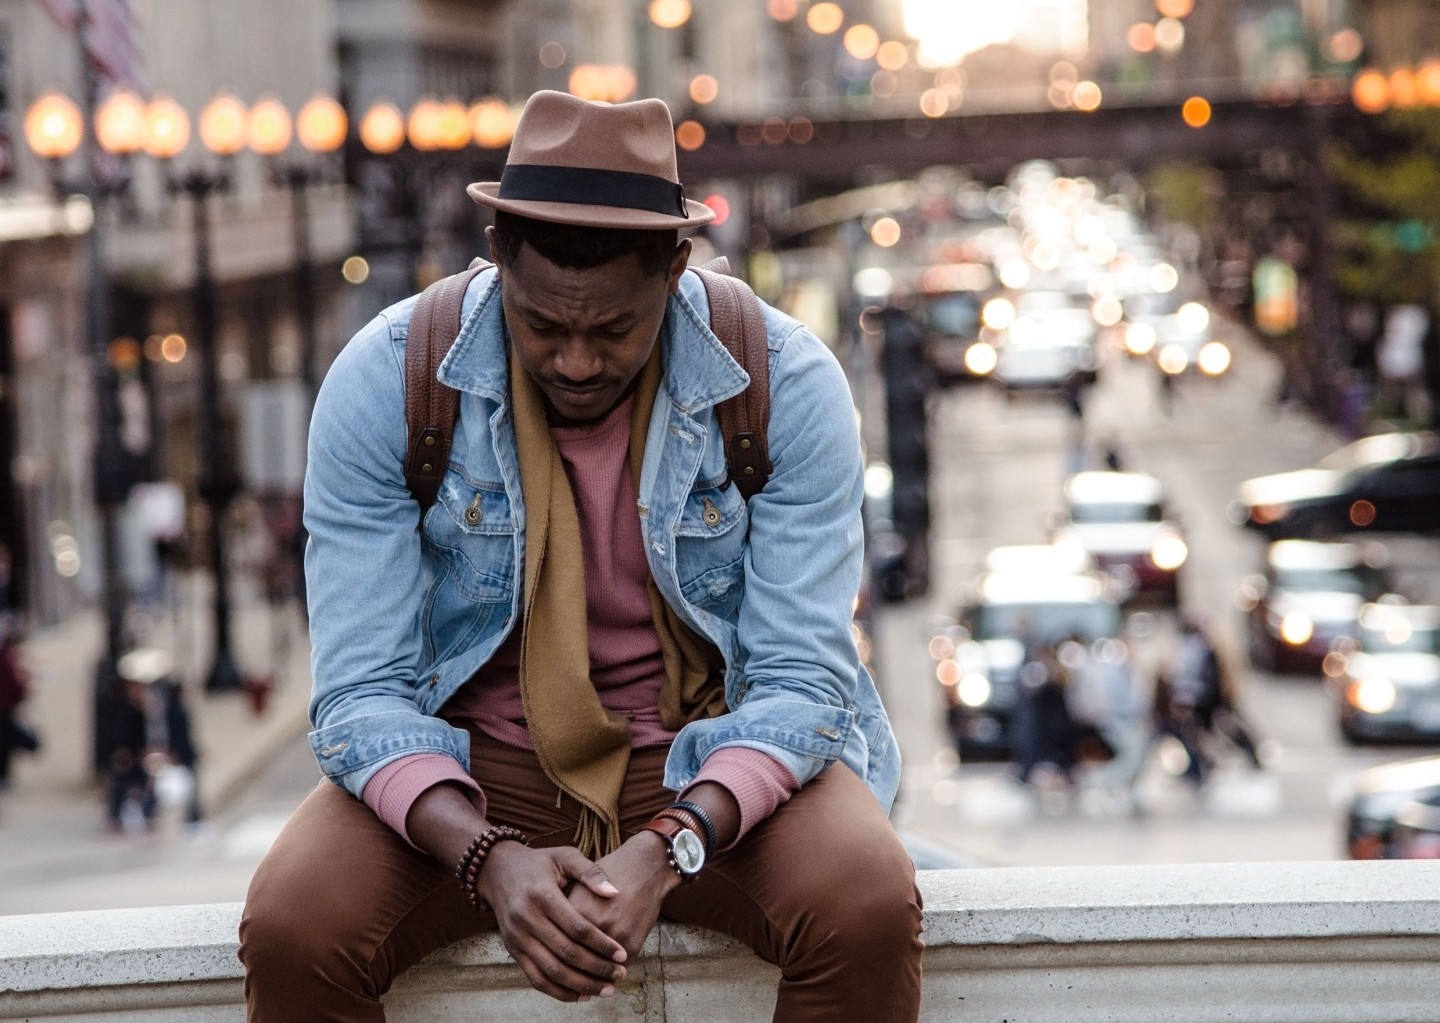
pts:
pixel 584 748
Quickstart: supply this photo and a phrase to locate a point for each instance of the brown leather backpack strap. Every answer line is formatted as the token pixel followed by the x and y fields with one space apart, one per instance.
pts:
pixel 431 407
pixel 738 320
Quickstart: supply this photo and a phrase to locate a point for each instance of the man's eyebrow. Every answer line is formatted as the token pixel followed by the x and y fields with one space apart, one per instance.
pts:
pixel 619 319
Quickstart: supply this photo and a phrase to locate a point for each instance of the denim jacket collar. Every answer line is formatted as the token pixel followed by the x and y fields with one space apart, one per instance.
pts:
pixel 699 371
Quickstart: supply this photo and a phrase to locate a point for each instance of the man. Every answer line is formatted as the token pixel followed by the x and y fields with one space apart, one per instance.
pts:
pixel 589 620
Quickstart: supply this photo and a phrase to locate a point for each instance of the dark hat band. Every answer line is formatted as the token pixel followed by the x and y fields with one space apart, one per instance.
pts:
pixel 535 182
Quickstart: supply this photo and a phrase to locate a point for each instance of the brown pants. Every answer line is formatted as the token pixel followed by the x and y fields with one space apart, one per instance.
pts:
pixel 823 889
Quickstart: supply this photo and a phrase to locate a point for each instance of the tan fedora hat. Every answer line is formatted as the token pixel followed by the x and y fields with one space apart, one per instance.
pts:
pixel 574 161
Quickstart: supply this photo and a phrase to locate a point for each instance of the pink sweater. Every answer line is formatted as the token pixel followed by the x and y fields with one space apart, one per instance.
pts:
pixel 626 665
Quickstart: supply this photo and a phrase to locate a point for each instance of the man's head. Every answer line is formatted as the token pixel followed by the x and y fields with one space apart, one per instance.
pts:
pixel 588 212
pixel 583 306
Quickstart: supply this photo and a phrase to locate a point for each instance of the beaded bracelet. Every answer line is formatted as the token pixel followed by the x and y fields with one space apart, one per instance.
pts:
pixel 698 812
pixel 467 871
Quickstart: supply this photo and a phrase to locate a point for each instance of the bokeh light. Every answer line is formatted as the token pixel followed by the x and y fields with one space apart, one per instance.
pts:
pixel 689 135
pixel 1196 111
pixel 885 232
pixel 1174 8
pixel 1170 35
pixel 783 10
pixel 382 129
pixel 892 55
pixel 670 13
pixel 1140 37
pixel 934 102
pixel 1087 96
pixel 704 89
pixel 1370 92
pixel 861 41
pixel 825 18
pixel 1346 46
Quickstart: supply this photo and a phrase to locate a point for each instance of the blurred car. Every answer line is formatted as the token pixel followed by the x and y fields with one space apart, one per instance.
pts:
pixel 952 321
pixel 978 660
pixel 1388 677
pixel 1380 794
pixel 1416 834
pixel 1309 597
pixel 1049 343
pixel 1185 343
pixel 1121 520
pixel 1387 482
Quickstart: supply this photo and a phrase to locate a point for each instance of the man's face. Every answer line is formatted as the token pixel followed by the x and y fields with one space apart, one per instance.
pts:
pixel 584 335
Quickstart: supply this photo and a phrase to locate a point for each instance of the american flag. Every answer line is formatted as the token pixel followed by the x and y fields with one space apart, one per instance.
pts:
pixel 112 38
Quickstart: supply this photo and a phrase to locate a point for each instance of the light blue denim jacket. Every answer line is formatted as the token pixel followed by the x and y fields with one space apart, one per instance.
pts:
pixel 400 619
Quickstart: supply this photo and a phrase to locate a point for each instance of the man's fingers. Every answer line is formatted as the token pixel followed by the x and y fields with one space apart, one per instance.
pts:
pixel 550 975
pixel 574 865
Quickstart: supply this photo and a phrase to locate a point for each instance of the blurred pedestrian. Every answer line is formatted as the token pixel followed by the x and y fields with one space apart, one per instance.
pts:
pixel 155 741
pixel 15 734
pixel 1045 728
pixel 1197 700
pixel 1105 694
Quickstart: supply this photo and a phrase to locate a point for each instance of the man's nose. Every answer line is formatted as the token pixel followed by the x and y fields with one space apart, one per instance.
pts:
pixel 578 359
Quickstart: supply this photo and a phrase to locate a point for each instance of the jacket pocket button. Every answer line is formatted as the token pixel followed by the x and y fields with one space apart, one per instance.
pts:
pixel 330 751
pixel 712 514
pixel 434 678
pixel 832 734
pixel 473 514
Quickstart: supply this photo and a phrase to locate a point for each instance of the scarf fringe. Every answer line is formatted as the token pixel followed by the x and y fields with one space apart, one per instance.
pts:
pixel 596 835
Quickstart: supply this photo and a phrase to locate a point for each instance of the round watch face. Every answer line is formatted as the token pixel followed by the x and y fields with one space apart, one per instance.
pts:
pixel 689 851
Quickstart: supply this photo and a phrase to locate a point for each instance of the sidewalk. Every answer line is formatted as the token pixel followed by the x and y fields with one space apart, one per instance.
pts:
pixel 232 739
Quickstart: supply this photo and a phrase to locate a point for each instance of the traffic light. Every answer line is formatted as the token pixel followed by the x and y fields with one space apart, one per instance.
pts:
pixel 908 383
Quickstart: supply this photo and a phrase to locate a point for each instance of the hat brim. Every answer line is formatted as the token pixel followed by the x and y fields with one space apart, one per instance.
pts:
pixel 486 193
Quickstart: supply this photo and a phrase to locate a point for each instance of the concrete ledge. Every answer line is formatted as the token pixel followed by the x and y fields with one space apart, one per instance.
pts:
pixel 1298 943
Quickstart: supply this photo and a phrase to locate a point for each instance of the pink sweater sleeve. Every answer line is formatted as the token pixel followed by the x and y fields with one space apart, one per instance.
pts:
pixel 396 786
pixel 758 781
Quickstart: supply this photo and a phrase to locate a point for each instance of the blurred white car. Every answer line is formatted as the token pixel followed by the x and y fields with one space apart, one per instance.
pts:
pixel 1121 520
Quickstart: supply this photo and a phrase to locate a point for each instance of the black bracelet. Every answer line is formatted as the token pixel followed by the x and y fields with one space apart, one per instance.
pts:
pixel 698 812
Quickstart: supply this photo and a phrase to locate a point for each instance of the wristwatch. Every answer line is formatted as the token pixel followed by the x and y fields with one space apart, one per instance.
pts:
pixel 687 849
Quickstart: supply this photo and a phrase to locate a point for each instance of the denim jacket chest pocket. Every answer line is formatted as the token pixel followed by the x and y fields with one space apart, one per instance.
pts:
pixel 470 543
pixel 710 548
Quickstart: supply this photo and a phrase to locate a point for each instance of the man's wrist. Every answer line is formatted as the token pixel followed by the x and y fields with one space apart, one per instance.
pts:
pixel 656 853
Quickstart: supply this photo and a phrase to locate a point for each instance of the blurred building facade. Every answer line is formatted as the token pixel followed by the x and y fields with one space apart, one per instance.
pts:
pixel 191 51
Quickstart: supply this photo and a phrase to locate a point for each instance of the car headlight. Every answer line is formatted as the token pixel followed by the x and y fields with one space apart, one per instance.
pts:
pixel 981 358
pixel 974 690
pixel 1169 552
pixel 1372 695
pixel 1214 358
pixel 1172 360
pixel 1296 628
pixel 1139 338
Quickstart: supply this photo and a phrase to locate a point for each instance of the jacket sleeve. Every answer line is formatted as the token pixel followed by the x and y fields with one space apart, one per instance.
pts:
pixel 802 567
pixel 364 576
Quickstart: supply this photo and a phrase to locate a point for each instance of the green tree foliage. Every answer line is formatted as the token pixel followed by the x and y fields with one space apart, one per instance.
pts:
pixel 1386 243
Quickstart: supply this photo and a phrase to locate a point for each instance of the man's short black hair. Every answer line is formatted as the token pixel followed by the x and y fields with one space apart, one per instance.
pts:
pixel 580 248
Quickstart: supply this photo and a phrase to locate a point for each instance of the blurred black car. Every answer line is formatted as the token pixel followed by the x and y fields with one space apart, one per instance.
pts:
pixel 1416 834
pixel 1308 598
pixel 1122 520
pixel 1388 677
pixel 1385 483
pixel 1381 793
pixel 1023 599
pixel 953 328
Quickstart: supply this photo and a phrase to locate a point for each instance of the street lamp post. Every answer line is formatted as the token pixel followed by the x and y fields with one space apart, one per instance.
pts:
pixel 55 130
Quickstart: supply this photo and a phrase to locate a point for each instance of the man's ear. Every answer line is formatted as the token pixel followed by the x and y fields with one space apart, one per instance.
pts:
pixel 490 241
pixel 678 265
